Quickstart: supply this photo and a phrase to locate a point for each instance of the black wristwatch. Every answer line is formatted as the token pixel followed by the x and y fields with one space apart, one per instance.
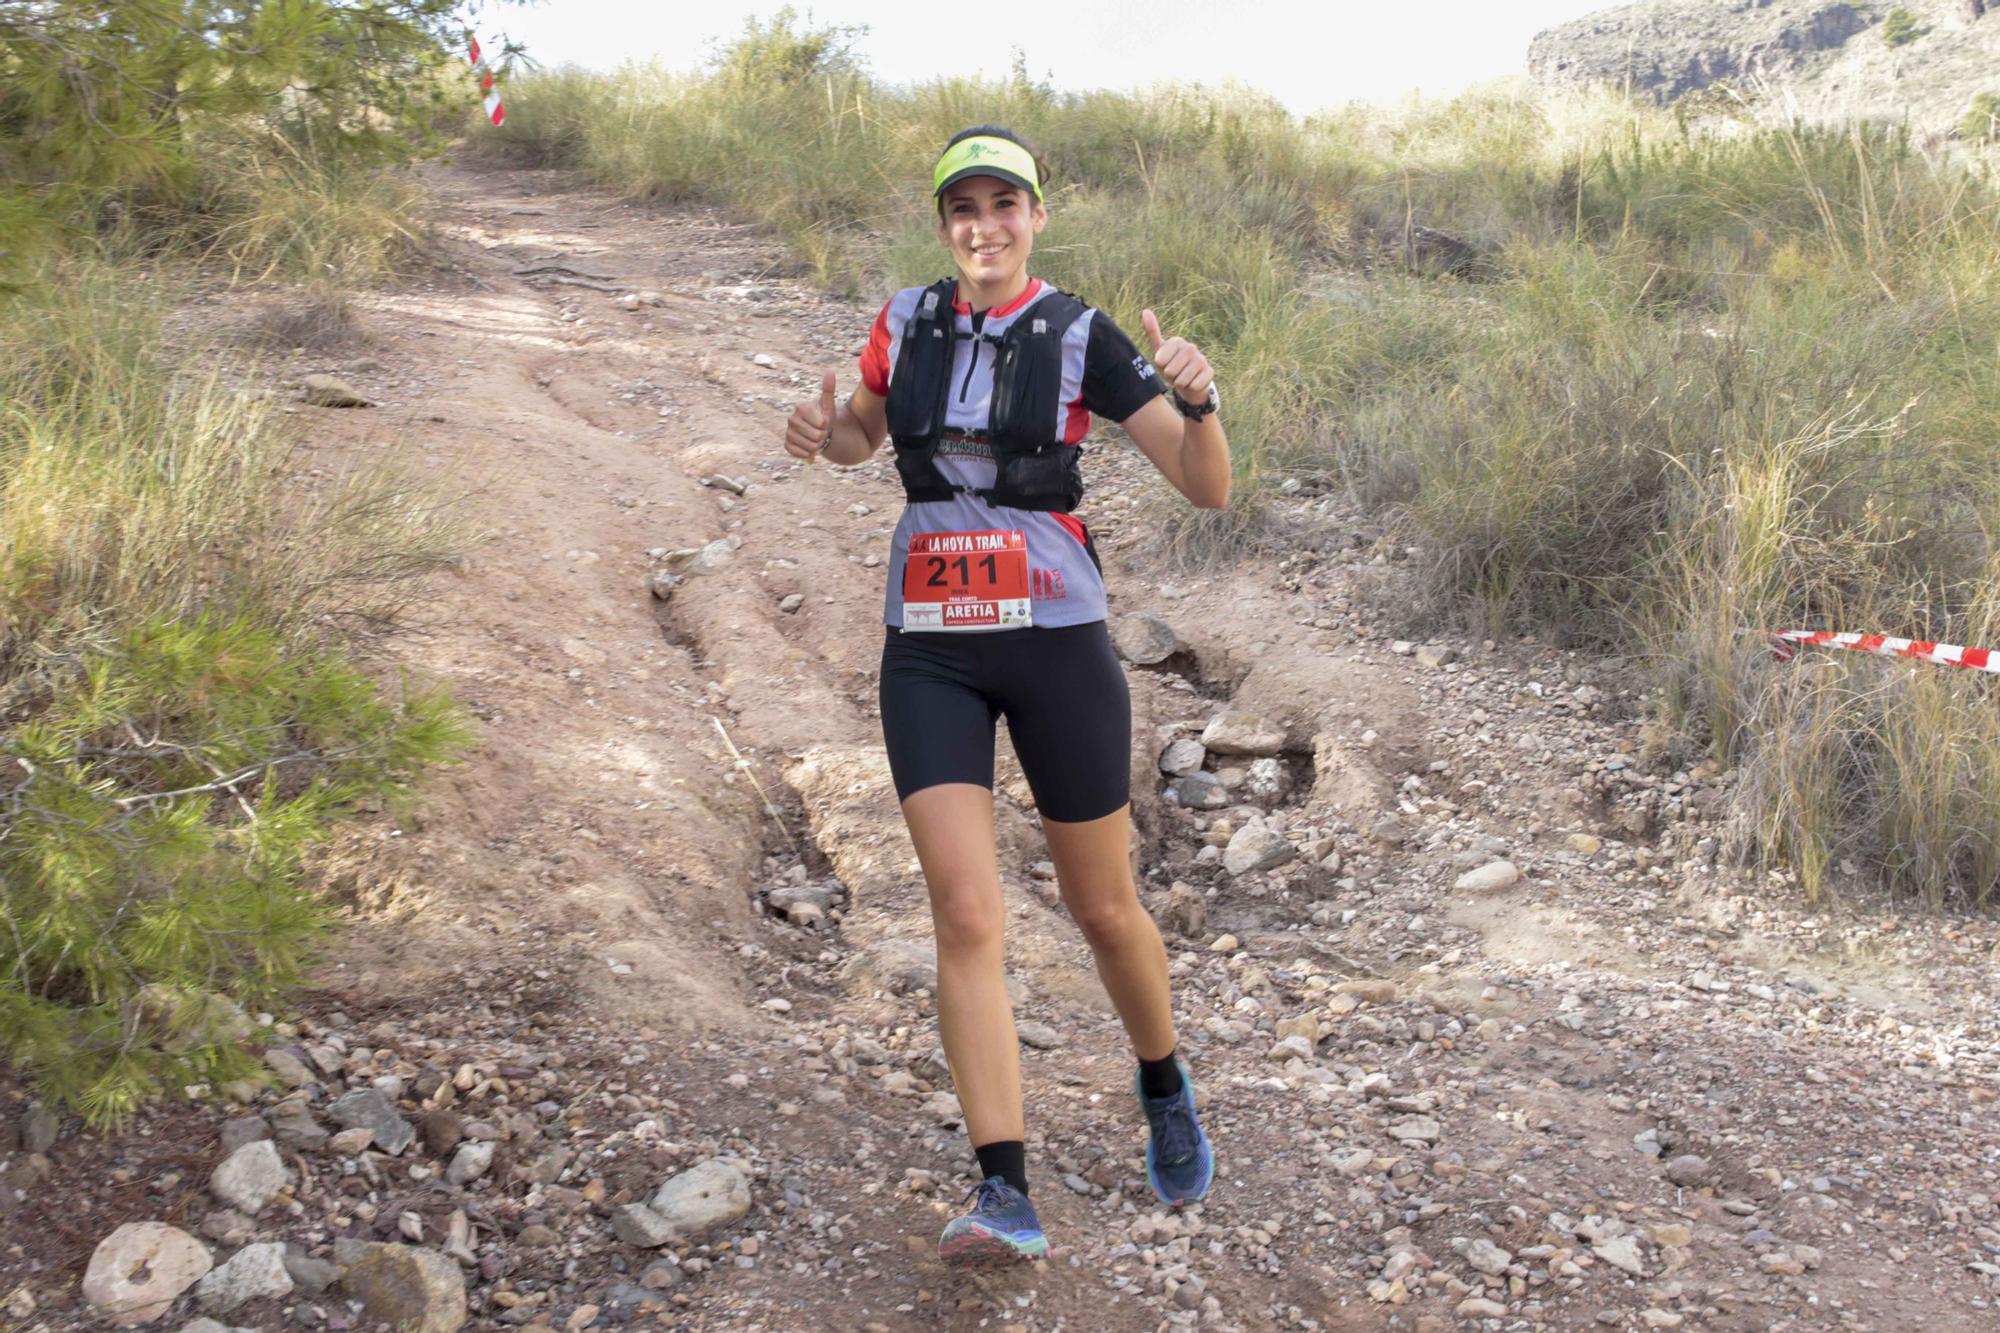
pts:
pixel 1196 411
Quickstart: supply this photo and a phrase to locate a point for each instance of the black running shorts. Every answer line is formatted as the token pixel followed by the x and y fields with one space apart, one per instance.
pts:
pixel 1061 690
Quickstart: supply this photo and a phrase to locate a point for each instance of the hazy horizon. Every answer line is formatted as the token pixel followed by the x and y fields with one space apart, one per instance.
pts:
pixel 1308 57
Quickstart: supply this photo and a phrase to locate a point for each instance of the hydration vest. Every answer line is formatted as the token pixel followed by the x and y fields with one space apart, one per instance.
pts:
pixel 1035 470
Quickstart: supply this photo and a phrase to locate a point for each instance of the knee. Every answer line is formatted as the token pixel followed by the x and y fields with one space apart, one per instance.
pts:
pixel 967 919
pixel 1111 923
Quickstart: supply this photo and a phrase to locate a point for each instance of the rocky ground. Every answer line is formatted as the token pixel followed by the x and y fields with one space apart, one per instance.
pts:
pixel 632 1027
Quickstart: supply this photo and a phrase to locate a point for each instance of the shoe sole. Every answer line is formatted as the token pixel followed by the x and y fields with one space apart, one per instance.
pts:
pixel 976 1247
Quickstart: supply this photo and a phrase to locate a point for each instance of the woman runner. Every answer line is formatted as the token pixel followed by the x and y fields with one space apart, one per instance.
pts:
pixel 985 384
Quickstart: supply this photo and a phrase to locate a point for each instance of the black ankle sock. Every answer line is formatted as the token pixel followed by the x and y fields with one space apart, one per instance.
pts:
pixel 1007 1159
pixel 1160 1078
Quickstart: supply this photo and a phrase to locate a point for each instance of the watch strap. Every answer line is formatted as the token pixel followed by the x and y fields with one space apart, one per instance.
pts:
pixel 1196 411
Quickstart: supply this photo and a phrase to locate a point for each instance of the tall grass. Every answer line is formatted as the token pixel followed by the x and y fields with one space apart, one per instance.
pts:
pixel 273 207
pixel 134 487
pixel 1705 379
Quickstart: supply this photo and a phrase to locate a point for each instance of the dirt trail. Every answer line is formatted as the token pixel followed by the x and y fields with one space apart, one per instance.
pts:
pixel 1472 1129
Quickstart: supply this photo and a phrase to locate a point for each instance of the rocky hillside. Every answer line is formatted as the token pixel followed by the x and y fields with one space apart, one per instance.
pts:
pixel 1821 59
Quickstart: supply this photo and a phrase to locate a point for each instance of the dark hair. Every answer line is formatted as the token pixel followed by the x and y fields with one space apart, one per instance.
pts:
pixel 998 132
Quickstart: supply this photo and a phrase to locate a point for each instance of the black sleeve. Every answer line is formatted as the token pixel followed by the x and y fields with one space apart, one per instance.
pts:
pixel 1118 379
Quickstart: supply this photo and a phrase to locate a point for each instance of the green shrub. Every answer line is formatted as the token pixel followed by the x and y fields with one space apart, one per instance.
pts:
pixel 1981 123
pixel 150 838
pixel 106 113
pixel 1900 28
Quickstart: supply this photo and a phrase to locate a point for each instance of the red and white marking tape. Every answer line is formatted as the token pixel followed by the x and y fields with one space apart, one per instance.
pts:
pixel 1785 645
pixel 494 111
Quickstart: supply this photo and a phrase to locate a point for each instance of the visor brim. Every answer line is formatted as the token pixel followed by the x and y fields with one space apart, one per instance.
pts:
pixel 998 173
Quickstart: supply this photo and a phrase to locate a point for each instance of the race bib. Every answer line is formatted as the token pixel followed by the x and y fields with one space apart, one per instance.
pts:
pixel 966 581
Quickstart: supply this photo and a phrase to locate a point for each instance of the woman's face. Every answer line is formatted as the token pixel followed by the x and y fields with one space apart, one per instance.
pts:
pixel 990 226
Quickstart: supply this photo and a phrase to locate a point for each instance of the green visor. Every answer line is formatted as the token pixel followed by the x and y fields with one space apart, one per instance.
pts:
pixel 985 155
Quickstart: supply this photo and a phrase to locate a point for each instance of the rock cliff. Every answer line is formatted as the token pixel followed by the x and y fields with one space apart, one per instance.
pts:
pixel 1819 59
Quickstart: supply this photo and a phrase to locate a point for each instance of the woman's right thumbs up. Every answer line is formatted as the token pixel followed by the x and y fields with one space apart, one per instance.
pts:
pixel 807 429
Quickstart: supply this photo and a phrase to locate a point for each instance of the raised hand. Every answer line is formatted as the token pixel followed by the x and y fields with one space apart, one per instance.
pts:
pixel 1180 363
pixel 810 424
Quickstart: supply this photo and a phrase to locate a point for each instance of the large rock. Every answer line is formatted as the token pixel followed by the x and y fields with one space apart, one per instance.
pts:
pixel 1687 1170
pixel 1375 990
pixel 293 1124
pixel 138 1271
pixel 898 966
pixel 1492 877
pixel 369 1107
pixel 1345 780
pixel 1487 1257
pixel 310 1275
pixel 40 1126
pixel 1622 1252
pixel 1183 756
pixel 288 1067
pixel 1187 912
pixel 1201 791
pixel 470 1162
pixel 411 1290
pixel 702 1198
pixel 1243 733
pixel 636 1224
pixel 252 1272
pixel 180 1020
pixel 1145 640
pixel 1416 1129
pixel 332 391
pixel 1294 1046
pixel 696 561
pixel 1255 847
pixel 1304 1025
pixel 1267 781
pixel 787 896
pixel 250 1177
pixel 243 1129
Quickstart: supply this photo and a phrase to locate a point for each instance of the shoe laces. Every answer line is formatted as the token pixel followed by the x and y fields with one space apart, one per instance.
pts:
pixel 991 1192
pixel 1176 1132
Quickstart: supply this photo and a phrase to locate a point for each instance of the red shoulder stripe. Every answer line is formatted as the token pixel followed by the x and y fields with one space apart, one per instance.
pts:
pixel 875 356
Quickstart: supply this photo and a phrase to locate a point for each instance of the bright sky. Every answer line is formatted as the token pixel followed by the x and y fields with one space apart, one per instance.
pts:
pixel 1308 55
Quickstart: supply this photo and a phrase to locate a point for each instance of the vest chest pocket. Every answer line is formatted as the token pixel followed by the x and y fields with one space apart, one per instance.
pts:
pixel 1049 479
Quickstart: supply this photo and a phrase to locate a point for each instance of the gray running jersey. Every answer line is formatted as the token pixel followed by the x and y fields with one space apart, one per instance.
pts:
pixel 1103 373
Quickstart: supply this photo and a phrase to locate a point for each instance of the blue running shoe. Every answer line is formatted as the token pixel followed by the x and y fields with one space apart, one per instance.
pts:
pixel 1179 1163
pixel 1000 1230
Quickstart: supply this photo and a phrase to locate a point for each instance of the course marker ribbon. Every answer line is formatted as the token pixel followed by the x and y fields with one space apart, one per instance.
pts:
pixel 494 111
pixel 1785 645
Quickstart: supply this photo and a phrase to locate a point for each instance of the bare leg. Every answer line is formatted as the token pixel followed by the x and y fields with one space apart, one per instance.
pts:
pixel 952 827
pixel 1094 868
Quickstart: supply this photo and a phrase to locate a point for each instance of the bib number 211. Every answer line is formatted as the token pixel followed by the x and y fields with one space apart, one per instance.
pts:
pixel 966 581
